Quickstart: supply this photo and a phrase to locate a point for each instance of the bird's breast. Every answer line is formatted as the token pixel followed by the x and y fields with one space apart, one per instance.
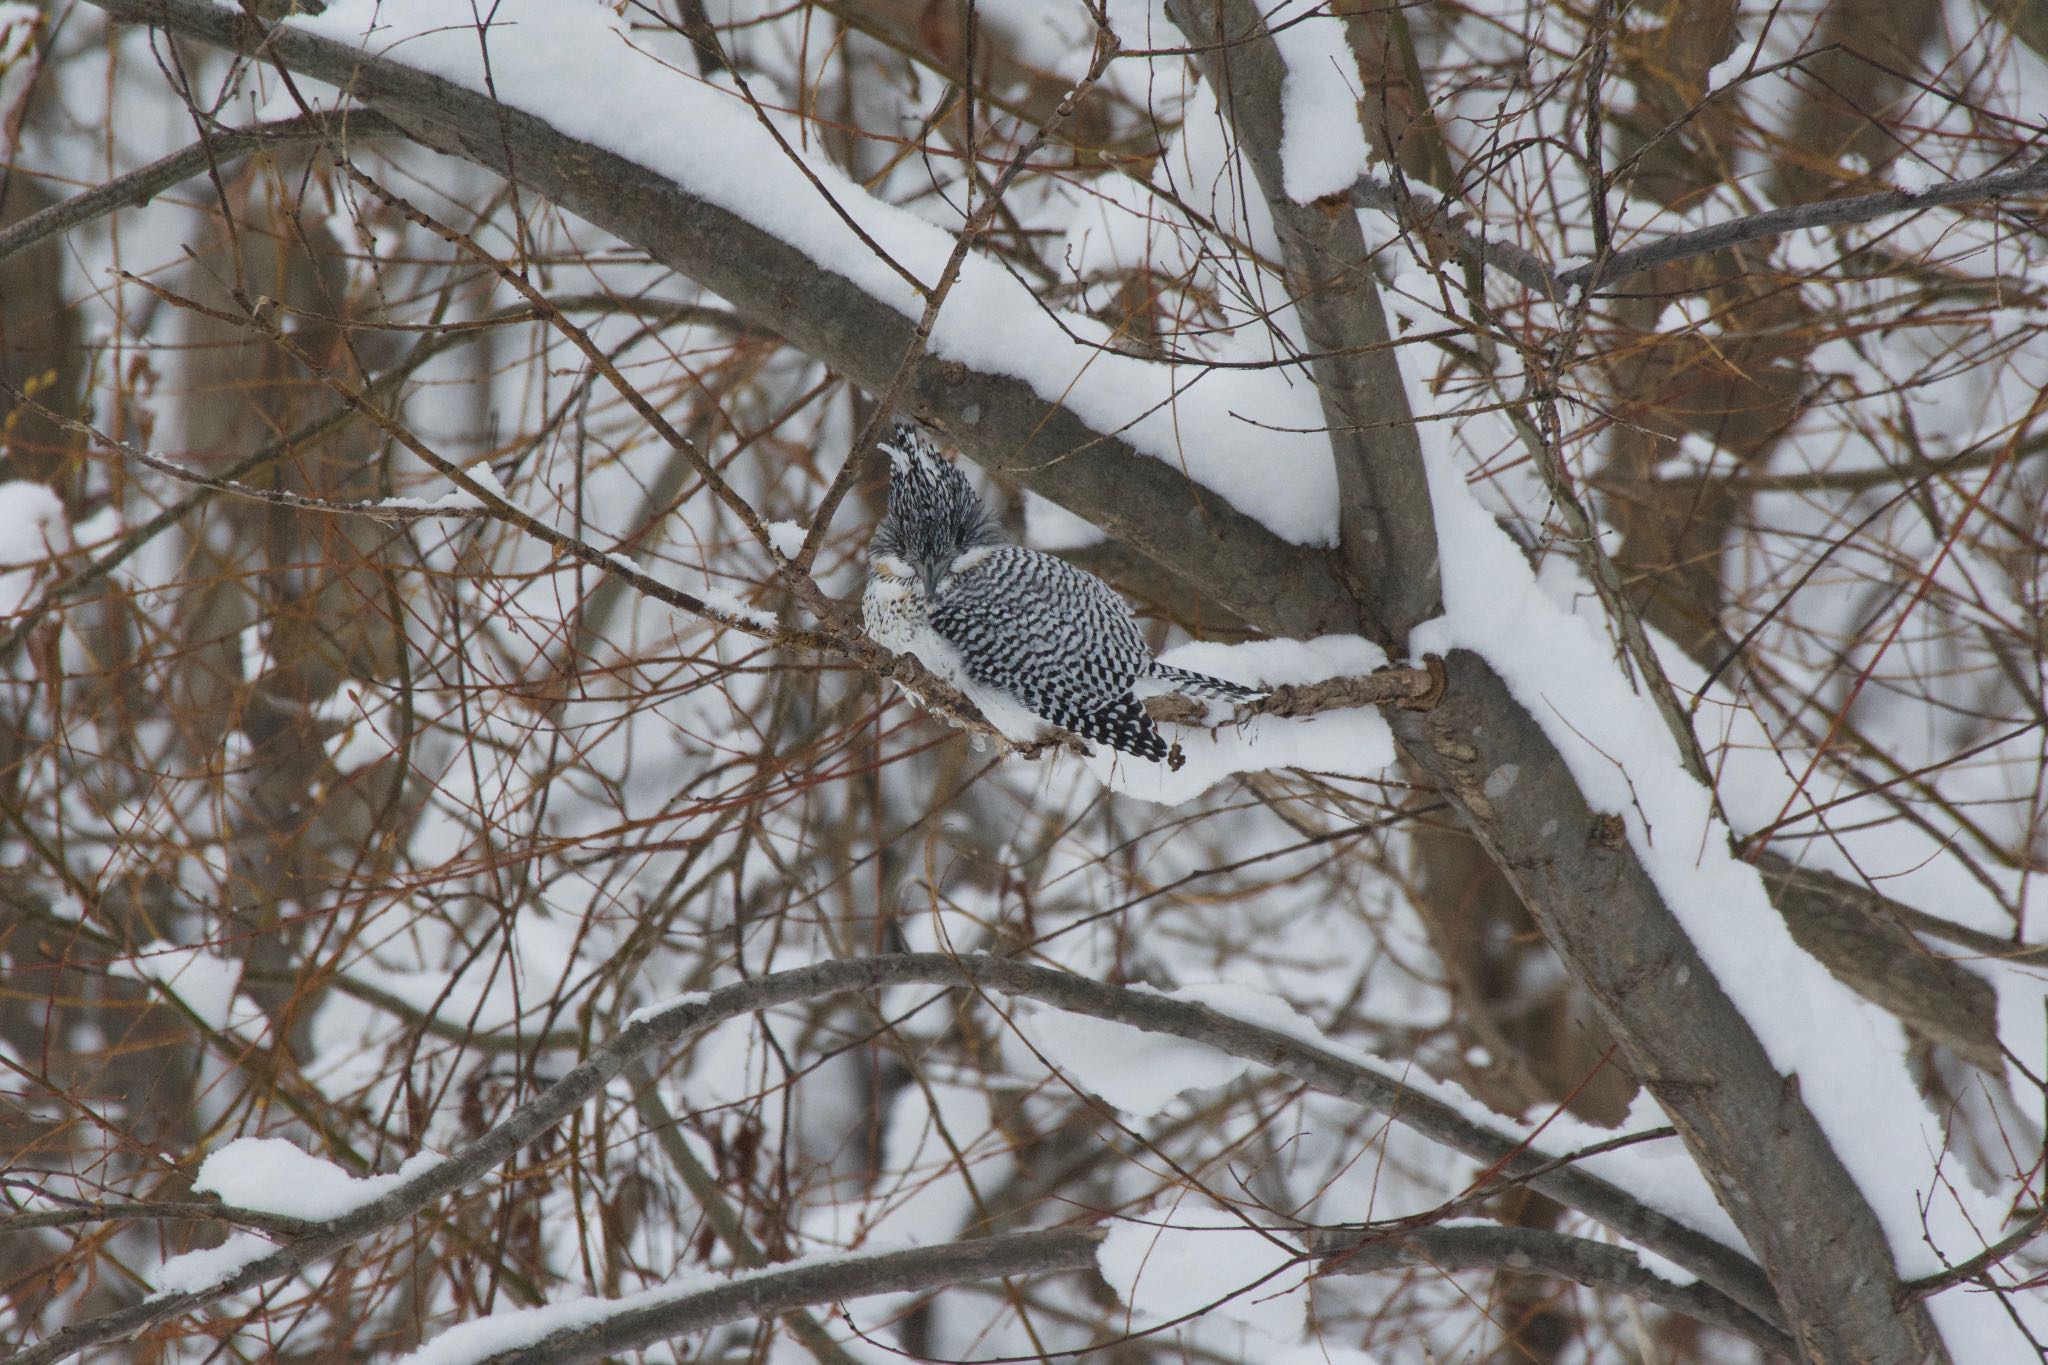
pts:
pixel 893 611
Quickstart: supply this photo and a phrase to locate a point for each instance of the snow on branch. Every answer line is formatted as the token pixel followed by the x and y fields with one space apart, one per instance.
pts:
pixel 1254 1030
pixel 571 1331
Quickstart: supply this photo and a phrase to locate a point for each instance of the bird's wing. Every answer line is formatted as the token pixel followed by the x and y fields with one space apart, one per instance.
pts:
pixel 1057 638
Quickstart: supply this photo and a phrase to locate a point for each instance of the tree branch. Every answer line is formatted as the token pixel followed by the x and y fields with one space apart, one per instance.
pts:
pixel 1867 940
pixel 1440 219
pixel 1508 1155
pixel 998 420
pixel 1387 552
pixel 719 1215
pixel 1860 208
pixel 1538 1251
pixel 637 1322
pixel 145 183
pixel 1769 1163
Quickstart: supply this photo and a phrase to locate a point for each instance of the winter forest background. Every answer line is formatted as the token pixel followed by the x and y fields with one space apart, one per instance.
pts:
pixel 466 885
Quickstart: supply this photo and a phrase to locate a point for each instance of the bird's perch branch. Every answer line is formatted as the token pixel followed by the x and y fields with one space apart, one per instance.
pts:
pixel 1411 689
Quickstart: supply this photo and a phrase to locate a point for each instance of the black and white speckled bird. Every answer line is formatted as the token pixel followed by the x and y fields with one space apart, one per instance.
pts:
pixel 1029 638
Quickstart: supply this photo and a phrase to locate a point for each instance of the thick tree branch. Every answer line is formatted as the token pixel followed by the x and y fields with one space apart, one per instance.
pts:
pixel 1388 550
pixel 1759 1147
pixel 1868 941
pixel 998 420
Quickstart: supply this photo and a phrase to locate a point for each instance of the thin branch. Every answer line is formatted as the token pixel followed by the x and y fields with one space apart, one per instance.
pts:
pixel 392 512
pixel 21 623
pixel 1598 1266
pixel 645 1319
pixel 970 233
pixel 718 1211
pixel 142 185
pixel 1978 1267
pixel 379 387
pixel 1861 208
pixel 599 361
pixel 83 1211
pixel 1444 219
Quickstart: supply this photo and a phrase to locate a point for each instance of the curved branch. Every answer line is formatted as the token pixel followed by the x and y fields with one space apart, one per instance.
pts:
pixel 1538 1251
pixel 1508 1154
pixel 141 185
pixel 643 1319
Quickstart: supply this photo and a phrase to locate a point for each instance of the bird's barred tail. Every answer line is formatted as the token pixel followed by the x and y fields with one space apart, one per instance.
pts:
pixel 1121 724
pixel 1191 684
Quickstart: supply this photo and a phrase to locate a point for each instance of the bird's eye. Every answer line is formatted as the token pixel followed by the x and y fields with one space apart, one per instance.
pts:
pixel 891 566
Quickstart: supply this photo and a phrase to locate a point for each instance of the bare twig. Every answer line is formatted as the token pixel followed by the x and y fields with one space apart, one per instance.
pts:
pixel 1413 689
pixel 141 185
pixel 1861 208
pixel 1443 218
pixel 1979 1267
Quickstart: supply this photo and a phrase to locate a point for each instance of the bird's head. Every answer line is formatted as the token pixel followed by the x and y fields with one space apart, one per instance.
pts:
pixel 934 516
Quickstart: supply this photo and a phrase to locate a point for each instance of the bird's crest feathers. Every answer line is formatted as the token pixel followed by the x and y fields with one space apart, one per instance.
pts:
pixel 907 446
pixel 934 513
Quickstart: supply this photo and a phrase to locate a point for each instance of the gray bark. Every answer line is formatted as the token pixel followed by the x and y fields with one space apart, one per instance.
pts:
pixel 1387 536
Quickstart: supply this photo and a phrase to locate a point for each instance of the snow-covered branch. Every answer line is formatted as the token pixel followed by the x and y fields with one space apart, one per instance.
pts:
pixel 1511 1156
pixel 573 1331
